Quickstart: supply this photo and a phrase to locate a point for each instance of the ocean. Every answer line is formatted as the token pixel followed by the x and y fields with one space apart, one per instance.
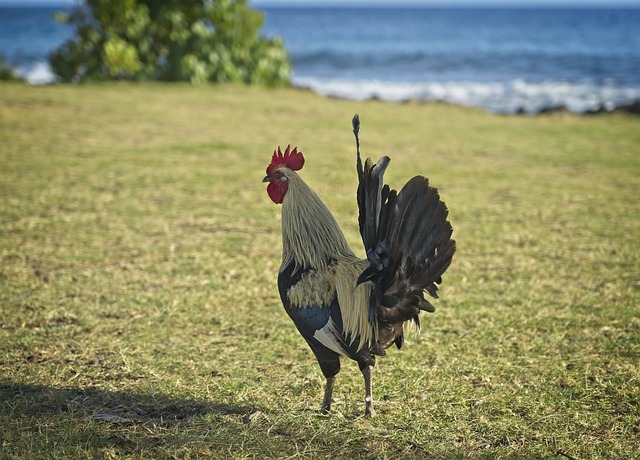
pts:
pixel 505 60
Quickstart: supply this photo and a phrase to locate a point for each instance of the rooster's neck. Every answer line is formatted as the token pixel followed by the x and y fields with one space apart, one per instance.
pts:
pixel 311 237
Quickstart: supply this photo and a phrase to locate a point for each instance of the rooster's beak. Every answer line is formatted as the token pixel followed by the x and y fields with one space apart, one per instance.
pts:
pixel 266 179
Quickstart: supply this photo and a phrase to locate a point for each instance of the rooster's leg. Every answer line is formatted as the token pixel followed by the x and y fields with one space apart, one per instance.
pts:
pixel 368 398
pixel 328 392
pixel 330 365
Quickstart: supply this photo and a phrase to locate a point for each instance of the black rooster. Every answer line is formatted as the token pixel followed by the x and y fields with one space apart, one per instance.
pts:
pixel 345 306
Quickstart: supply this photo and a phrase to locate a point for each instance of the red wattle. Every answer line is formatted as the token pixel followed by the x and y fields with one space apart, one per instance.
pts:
pixel 276 192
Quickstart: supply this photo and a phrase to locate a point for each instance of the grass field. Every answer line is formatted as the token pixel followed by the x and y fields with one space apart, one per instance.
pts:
pixel 139 313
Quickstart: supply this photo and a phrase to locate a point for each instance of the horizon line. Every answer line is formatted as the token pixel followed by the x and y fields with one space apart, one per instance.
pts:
pixel 632 4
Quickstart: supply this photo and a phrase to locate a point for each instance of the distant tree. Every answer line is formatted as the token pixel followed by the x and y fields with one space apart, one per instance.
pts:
pixel 170 40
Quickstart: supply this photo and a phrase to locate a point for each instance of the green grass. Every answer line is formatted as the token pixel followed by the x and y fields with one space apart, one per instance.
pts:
pixel 139 254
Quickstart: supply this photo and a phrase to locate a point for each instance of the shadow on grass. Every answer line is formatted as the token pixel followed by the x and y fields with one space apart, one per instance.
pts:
pixel 124 407
pixel 50 422
pixel 71 422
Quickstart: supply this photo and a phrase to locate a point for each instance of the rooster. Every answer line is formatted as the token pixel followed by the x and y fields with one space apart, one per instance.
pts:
pixel 345 306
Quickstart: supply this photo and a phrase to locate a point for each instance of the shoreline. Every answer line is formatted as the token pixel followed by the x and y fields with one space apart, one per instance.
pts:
pixel 631 108
pixel 490 97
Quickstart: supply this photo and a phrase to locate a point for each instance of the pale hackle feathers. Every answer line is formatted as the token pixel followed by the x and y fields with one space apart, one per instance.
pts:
pixel 312 239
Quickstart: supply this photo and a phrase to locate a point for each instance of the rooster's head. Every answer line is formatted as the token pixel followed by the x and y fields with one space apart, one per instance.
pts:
pixel 282 164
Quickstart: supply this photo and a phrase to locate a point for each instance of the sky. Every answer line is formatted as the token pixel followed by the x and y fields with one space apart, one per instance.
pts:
pixel 390 3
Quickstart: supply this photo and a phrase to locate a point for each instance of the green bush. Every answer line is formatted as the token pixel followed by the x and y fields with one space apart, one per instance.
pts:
pixel 7 73
pixel 175 40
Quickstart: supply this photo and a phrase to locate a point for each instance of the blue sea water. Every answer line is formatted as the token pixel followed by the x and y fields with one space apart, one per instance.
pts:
pixel 504 60
pixel 27 36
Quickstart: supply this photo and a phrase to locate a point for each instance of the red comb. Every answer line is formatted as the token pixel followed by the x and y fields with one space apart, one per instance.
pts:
pixel 292 159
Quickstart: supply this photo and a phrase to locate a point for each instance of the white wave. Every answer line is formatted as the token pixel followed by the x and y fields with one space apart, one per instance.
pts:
pixel 37 74
pixel 516 96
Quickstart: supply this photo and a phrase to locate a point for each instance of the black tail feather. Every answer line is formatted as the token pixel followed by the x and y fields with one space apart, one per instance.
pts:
pixel 407 238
